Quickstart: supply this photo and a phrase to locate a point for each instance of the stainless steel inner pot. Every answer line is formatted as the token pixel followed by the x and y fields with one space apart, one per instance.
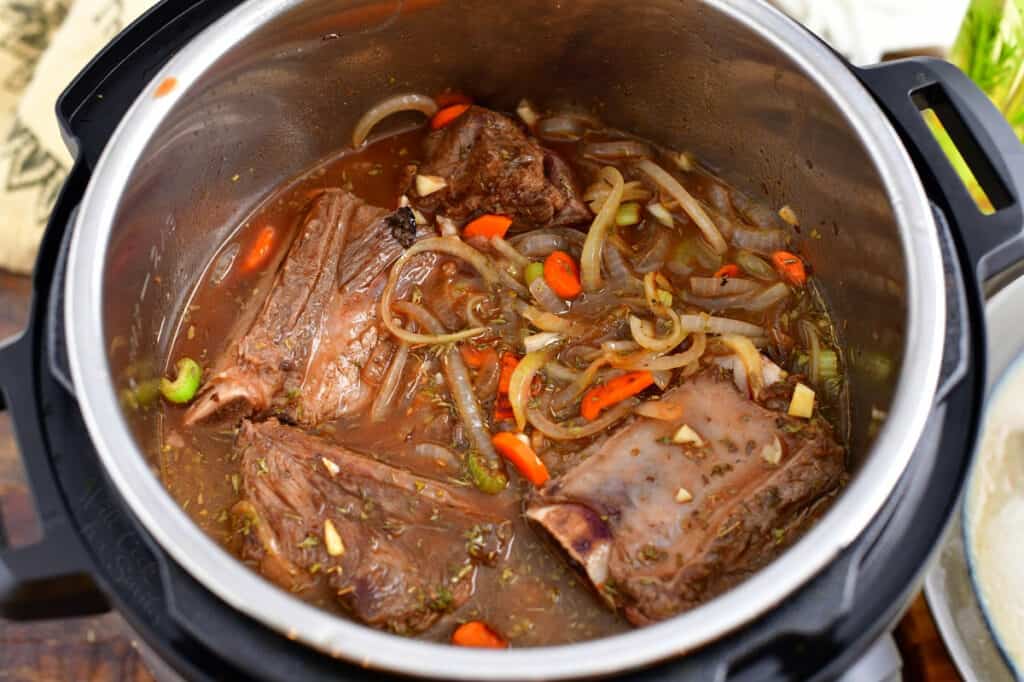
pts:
pixel 276 85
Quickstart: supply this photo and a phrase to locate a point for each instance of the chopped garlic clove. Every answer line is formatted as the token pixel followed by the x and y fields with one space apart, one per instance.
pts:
pixel 428 184
pixel 684 161
pixel 686 436
pixel 683 496
pixel 772 453
pixel 789 215
pixel 335 547
pixel 331 467
pixel 802 404
pixel 527 113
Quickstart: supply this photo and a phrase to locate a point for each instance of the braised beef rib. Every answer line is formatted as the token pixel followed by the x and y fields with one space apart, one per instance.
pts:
pixel 396 550
pixel 491 166
pixel 660 526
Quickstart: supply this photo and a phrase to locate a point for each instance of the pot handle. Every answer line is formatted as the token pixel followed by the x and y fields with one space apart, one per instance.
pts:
pixel 50 578
pixel 905 88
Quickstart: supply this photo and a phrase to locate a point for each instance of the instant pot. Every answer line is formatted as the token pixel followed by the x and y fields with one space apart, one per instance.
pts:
pixel 200 108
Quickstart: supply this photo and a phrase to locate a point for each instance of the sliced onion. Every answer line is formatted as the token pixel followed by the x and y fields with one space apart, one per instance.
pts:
pixel 654 363
pixel 488 376
pixel 439 454
pixel 546 322
pixel 590 261
pixel 719 325
pixel 617 150
pixel 598 193
pixel 522 381
pixel 739 301
pixel 543 242
pixel 508 251
pixel 541 340
pixel 535 245
pixel 459 384
pixel 621 278
pixel 692 207
pixel 718 196
pixel 755 266
pixel 619 346
pixel 767 298
pixel 760 241
pixel 453 247
pixel 561 128
pixel 389 386
pixel 809 334
pixel 389 106
pixel 653 343
pixel 568 396
pixel 750 358
pixel 721 286
pixel 559 372
pixel 546 297
pixel 556 431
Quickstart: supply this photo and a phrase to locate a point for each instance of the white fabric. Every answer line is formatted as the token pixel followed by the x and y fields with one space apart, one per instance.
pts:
pixel 864 30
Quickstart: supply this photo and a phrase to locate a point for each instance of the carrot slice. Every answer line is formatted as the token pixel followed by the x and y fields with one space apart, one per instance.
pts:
pixel 260 251
pixel 522 457
pixel 489 225
pixel 790 267
pixel 476 357
pixel 613 391
pixel 503 409
pixel 508 365
pixel 447 115
pixel 728 270
pixel 450 98
pixel 562 275
pixel 478 634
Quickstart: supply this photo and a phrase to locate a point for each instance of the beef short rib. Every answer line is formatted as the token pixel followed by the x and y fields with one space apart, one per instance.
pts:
pixel 491 166
pixel 660 527
pixel 404 547
pixel 308 353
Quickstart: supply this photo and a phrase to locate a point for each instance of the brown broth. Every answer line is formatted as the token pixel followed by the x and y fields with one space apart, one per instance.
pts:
pixel 531 596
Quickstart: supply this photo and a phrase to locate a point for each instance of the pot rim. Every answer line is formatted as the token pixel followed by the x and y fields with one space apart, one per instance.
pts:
pixel 249 593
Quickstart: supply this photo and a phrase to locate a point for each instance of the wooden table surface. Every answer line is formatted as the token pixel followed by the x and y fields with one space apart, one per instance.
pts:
pixel 103 649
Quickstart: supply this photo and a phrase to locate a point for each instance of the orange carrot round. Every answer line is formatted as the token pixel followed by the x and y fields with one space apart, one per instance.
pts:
pixel 612 392
pixel 522 457
pixel 562 275
pixel 489 225
pixel 447 115
pixel 728 270
pixel 478 634
pixel 790 267
pixel 260 251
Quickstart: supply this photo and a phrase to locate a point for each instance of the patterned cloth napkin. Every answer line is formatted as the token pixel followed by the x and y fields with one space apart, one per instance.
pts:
pixel 43 44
